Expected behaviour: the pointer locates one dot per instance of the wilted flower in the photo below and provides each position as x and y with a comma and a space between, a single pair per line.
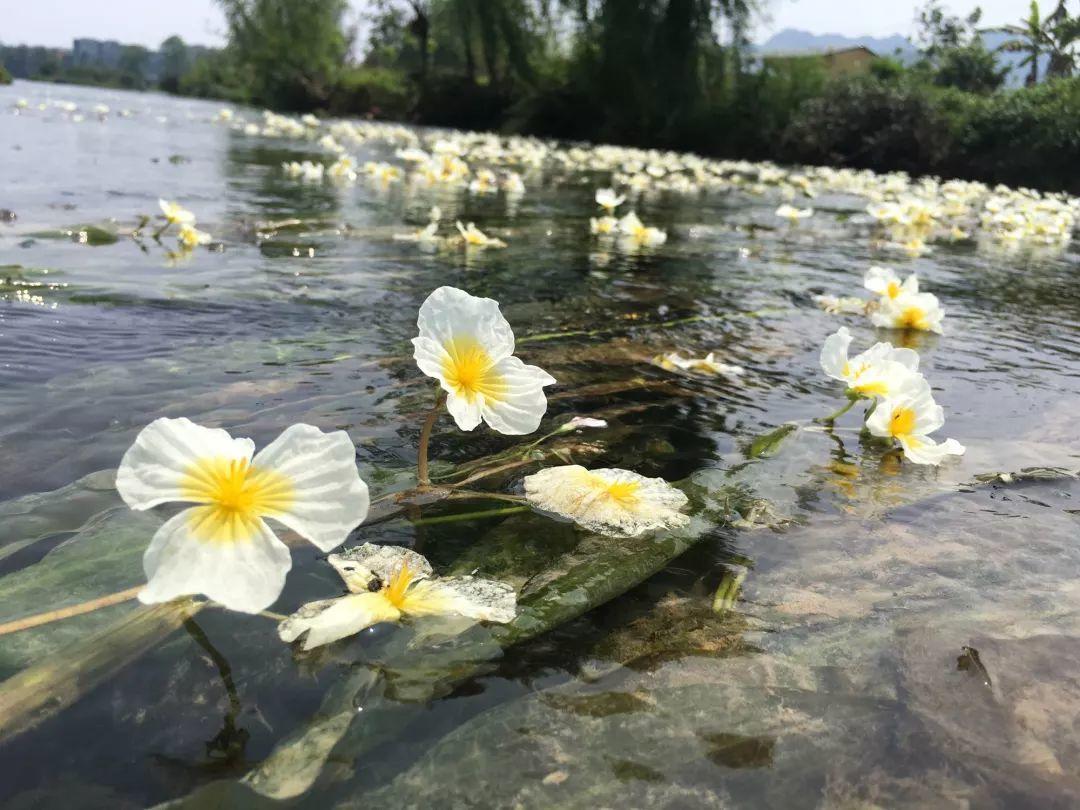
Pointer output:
703, 365
909, 415
427, 236
920, 311
579, 422
467, 345
305, 479
389, 584
474, 237
841, 305
608, 501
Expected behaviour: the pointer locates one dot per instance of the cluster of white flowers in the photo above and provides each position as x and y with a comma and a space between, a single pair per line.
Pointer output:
188, 235
307, 481
903, 406
899, 304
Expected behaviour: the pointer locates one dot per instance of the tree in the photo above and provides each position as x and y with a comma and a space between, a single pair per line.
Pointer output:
1053, 36
174, 63
293, 50
953, 53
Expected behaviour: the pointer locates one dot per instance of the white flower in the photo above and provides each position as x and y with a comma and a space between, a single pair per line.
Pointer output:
845, 305
175, 214
474, 237
305, 480
793, 214
877, 372
513, 185
920, 311
189, 236
607, 199
704, 365
603, 226
884, 282
909, 415
619, 503
388, 584
636, 234
467, 345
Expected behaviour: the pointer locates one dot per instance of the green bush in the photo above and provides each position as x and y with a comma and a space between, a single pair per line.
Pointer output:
866, 123
378, 92
5, 77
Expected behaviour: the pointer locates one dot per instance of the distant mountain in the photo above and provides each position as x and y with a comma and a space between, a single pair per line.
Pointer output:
792, 40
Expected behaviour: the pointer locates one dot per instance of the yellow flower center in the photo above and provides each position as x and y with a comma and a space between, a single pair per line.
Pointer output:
396, 589
235, 495
469, 371
902, 422
624, 493
913, 318
893, 289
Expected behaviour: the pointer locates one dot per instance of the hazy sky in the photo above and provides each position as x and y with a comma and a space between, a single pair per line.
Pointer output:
148, 22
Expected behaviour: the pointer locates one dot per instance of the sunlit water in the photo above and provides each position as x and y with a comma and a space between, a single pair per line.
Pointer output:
835, 681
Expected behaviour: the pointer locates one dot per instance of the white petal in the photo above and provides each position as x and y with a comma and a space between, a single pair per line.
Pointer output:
368, 566
834, 353
521, 403
328, 620
164, 451
465, 410
924, 450
481, 599
241, 566
450, 314
329, 499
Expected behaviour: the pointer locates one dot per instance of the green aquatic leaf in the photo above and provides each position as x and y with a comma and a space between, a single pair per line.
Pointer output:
94, 235
768, 444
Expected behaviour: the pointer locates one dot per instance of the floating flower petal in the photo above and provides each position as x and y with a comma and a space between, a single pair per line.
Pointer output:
615, 502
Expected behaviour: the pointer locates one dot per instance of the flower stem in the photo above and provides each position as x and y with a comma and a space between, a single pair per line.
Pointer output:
423, 478
828, 420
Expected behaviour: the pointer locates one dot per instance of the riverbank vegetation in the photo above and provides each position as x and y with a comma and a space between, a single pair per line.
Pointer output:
670, 74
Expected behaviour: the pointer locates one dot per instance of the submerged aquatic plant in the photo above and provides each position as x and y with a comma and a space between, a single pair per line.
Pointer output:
388, 584
305, 480
614, 502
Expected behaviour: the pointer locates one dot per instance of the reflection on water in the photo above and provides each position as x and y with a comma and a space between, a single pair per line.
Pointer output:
901, 638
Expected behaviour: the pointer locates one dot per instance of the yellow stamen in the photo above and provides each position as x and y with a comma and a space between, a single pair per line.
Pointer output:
913, 318
396, 589
469, 371
236, 494
902, 422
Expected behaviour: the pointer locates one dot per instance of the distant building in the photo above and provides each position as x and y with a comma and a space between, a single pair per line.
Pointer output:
840, 62
96, 53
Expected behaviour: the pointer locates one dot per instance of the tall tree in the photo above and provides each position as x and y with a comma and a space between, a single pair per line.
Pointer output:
294, 50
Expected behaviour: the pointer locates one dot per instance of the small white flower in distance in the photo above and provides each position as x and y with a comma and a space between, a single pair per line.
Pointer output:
919, 311
388, 584
615, 502
176, 214
884, 282
793, 214
305, 480
708, 364
909, 415
607, 199
467, 345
